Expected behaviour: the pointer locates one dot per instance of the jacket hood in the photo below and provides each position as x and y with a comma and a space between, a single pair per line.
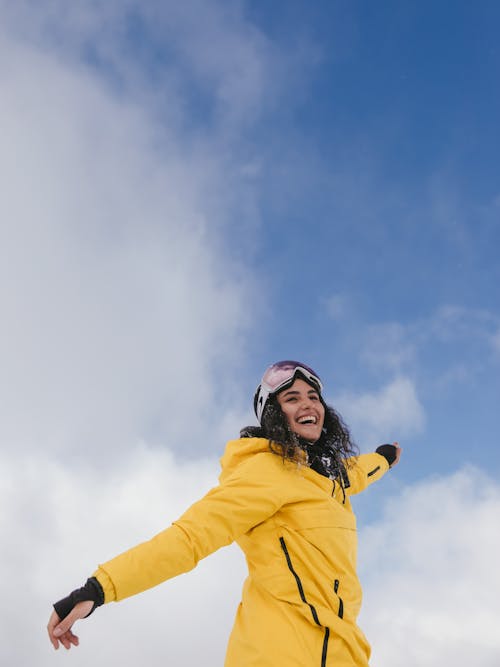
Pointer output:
238, 451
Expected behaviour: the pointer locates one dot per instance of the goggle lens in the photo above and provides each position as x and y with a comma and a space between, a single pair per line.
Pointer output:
284, 371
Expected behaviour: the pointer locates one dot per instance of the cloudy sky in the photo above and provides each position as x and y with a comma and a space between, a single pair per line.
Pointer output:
193, 190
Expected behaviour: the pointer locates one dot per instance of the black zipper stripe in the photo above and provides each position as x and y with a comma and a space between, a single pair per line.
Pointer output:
372, 472
298, 581
336, 585
325, 647
345, 477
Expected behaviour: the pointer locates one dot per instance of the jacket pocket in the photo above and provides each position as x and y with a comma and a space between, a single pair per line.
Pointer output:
298, 581
300, 588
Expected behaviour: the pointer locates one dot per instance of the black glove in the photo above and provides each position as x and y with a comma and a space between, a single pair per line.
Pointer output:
389, 452
92, 591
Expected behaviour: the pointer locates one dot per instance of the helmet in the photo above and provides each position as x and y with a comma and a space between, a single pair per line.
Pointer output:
279, 376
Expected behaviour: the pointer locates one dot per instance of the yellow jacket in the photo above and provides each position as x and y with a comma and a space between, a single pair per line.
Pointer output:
298, 532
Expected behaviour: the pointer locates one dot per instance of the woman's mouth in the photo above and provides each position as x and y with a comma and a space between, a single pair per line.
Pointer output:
307, 419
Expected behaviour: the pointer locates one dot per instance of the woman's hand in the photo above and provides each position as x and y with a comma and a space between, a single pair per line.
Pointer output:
60, 631
398, 454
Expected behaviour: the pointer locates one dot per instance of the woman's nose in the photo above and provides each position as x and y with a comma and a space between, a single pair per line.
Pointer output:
306, 401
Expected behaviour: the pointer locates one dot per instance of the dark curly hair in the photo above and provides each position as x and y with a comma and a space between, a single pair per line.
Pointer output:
335, 440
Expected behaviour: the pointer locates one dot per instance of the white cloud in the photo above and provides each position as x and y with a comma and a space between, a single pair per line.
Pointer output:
117, 294
122, 312
177, 48
389, 346
452, 322
450, 329
385, 415
431, 574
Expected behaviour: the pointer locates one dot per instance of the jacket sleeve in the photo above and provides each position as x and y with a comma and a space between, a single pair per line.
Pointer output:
249, 496
363, 470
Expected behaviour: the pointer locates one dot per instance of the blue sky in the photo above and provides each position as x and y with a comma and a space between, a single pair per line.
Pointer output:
193, 191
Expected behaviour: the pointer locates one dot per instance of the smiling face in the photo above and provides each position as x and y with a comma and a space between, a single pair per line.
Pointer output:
302, 407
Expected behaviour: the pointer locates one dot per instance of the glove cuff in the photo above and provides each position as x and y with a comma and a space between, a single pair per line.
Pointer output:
92, 591
389, 452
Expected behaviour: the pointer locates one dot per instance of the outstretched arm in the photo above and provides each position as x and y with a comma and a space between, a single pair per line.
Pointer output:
246, 498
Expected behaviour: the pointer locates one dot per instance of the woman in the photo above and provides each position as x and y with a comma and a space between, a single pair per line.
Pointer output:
284, 497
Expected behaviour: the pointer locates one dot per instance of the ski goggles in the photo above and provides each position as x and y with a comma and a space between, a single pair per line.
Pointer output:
279, 376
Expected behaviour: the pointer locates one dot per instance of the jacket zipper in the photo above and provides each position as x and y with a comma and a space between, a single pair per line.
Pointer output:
336, 585
314, 614
324, 653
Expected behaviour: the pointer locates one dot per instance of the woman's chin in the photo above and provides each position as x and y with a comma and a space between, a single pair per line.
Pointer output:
309, 434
